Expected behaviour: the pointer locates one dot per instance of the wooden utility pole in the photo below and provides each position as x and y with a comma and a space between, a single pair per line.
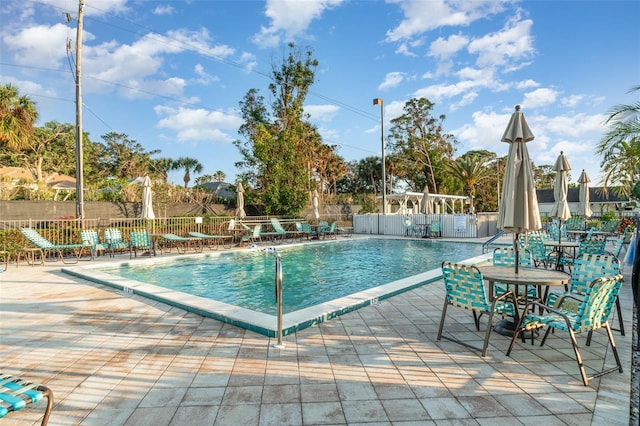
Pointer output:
79, 152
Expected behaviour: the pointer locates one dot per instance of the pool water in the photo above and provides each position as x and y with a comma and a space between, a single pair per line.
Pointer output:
312, 273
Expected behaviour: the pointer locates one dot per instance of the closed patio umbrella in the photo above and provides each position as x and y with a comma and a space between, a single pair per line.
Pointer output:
427, 203
147, 207
560, 209
518, 211
240, 213
584, 208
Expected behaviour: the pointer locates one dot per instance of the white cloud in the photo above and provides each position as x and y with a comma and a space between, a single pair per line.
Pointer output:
392, 79
198, 125
163, 10
512, 44
39, 45
446, 48
204, 77
539, 97
421, 16
290, 18
572, 100
140, 65
321, 112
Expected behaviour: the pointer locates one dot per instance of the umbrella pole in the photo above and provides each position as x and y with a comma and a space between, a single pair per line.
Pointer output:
516, 248
559, 231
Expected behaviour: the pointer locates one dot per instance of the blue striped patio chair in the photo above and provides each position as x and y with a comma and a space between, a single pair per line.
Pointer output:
113, 237
141, 241
465, 289
539, 252
585, 269
576, 315
55, 251
91, 239
586, 246
17, 393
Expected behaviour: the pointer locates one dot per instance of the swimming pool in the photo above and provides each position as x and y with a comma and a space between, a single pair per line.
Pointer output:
320, 280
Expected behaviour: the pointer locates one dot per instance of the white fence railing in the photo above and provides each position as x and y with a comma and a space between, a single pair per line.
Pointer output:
451, 225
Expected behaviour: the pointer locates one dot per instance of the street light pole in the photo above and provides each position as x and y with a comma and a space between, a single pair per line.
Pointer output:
378, 101
79, 153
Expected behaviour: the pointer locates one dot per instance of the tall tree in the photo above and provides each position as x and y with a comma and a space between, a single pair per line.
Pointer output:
471, 169
189, 165
219, 176
417, 137
619, 149
123, 158
277, 142
18, 115
161, 168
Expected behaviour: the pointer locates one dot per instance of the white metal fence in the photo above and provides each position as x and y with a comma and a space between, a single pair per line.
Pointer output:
451, 225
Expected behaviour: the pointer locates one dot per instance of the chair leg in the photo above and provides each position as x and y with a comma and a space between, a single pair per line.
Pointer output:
487, 334
583, 373
444, 313
49, 395
619, 310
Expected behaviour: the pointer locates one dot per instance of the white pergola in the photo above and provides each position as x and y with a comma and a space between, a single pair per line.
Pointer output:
441, 203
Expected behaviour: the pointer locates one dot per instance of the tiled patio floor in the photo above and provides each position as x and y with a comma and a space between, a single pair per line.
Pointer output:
113, 359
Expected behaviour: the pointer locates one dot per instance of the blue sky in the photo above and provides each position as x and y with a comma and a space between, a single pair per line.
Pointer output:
171, 74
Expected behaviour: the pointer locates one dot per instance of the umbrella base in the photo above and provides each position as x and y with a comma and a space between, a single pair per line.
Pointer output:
507, 327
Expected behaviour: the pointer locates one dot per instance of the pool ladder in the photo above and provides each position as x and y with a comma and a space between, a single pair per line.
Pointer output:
278, 285
485, 245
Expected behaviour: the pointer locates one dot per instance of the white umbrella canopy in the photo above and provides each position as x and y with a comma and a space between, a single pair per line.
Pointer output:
518, 211
240, 213
584, 208
427, 204
315, 212
560, 209
147, 207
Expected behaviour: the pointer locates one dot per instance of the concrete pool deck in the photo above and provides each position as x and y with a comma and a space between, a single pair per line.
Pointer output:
112, 358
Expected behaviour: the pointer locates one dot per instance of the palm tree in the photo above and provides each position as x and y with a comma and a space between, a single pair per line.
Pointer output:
17, 117
471, 169
620, 147
219, 176
188, 164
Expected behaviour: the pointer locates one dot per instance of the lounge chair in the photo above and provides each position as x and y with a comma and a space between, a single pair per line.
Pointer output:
217, 239
17, 393
181, 244
577, 315
253, 237
113, 237
275, 235
465, 289
277, 227
141, 240
345, 231
58, 251
91, 239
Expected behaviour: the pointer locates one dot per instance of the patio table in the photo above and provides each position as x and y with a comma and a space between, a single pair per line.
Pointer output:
560, 248
524, 277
